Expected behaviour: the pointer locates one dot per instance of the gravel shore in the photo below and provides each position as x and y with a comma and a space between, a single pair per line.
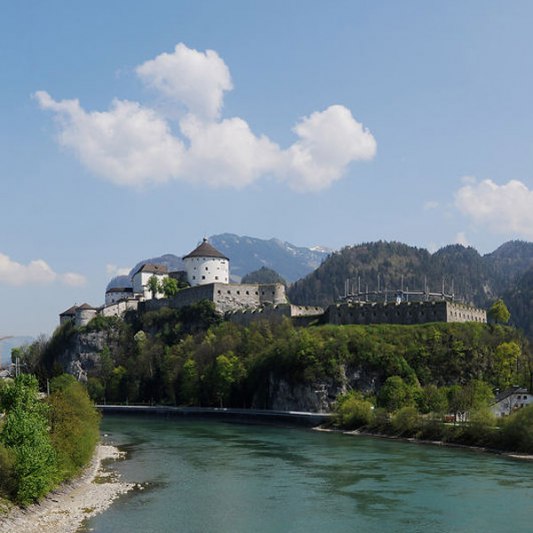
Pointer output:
63, 510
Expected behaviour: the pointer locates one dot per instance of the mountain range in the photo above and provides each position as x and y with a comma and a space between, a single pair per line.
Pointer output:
248, 254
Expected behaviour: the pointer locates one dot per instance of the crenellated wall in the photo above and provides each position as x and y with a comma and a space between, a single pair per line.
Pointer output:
403, 313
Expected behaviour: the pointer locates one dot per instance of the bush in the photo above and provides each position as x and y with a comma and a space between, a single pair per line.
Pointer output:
74, 425
7, 474
353, 412
517, 431
406, 422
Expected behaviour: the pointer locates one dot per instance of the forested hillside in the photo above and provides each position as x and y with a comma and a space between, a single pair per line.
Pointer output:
189, 356
473, 278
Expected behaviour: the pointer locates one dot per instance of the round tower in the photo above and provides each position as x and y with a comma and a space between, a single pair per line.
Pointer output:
205, 264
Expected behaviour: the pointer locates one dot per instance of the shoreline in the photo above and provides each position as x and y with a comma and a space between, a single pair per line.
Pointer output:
66, 508
412, 440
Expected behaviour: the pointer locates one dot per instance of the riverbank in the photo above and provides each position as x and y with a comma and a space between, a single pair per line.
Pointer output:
356, 432
65, 509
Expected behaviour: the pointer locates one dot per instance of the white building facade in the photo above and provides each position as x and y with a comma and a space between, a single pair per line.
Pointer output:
511, 400
141, 277
205, 264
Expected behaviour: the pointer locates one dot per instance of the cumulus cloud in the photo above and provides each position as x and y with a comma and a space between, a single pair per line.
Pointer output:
504, 209
35, 272
196, 79
129, 144
133, 145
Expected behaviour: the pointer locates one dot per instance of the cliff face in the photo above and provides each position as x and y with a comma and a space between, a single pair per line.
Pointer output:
315, 397
82, 355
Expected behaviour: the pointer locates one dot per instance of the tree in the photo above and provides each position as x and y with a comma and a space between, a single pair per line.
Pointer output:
25, 433
498, 312
154, 285
395, 394
189, 383
169, 286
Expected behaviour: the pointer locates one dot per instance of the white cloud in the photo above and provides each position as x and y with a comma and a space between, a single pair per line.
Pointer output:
114, 270
35, 272
196, 79
503, 209
227, 153
129, 144
328, 142
132, 145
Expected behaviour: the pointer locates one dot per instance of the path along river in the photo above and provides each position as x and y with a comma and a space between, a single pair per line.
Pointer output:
211, 476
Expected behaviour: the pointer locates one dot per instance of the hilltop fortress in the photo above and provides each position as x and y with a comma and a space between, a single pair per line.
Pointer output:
207, 275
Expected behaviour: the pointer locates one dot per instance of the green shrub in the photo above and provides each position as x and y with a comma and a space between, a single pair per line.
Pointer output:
353, 412
7, 474
517, 431
74, 425
406, 422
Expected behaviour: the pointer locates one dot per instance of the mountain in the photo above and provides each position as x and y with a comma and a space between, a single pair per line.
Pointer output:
247, 254
507, 272
7, 344
263, 275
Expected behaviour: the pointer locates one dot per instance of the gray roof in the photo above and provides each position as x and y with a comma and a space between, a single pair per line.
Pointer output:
71, 311
508, 392
120, 289
152, 268
206, 250
85, 306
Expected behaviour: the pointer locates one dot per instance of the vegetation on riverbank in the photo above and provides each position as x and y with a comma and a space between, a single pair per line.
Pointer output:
43, 441
473, 422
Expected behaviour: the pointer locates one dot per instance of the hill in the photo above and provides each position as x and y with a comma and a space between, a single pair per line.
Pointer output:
462, 270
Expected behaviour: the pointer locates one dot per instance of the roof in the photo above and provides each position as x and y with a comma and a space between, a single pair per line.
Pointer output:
85, 306
509, 392
152, 268
120, 289
206, 250
71, 311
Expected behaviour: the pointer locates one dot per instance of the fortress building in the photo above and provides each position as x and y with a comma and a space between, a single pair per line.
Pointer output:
207, 273
205, 264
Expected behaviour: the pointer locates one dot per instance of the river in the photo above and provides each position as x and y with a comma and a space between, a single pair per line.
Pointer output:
211, 476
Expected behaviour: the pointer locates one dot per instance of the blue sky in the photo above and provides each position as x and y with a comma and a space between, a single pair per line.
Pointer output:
313, 122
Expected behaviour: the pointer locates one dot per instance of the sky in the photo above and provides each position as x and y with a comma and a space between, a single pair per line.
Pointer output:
132, 129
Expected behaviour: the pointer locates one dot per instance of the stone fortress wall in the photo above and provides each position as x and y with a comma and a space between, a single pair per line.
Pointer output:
227, 297
403, 313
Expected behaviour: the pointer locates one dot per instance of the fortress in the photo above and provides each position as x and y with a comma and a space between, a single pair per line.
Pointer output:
207, 276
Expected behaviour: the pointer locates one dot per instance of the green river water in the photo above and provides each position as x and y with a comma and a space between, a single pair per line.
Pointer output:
211, 476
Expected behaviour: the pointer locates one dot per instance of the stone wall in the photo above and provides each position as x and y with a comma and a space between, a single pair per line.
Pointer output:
119, 308
403, 313
227, 297
300, 314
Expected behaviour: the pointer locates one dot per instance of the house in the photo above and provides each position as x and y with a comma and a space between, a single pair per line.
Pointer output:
118, 294
141, 277
68, 316
510, 400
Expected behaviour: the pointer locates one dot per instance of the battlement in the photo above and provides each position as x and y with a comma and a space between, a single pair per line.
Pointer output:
403, 313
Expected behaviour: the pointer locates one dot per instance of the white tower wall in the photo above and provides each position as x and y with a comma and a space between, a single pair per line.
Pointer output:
205, 270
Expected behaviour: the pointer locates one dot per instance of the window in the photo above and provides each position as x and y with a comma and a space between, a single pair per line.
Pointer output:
194, 277
238, 292
206, 268
203, 277
216, 277
248, 292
